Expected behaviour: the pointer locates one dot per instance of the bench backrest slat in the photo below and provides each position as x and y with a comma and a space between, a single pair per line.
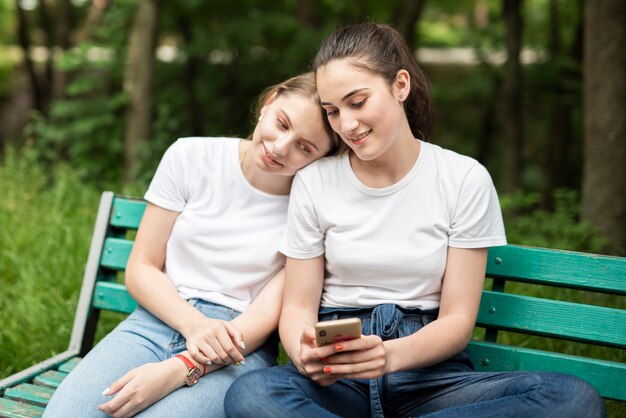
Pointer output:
113, 297
607, 377
593, 272
127, 212
115, 253
553, 318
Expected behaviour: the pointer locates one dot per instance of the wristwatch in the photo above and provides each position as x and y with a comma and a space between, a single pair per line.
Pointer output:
193, 372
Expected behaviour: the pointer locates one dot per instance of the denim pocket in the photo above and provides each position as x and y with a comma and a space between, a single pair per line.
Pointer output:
410, 325
213, 310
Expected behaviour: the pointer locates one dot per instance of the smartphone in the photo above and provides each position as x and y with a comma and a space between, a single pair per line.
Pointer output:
329, 332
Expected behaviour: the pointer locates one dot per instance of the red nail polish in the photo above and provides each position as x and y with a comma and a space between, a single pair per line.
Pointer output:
327, 370
325, 360
339, 347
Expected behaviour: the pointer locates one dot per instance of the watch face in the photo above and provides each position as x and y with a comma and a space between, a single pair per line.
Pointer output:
193, 376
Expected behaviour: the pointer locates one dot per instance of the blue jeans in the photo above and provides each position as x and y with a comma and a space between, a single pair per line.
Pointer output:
139, 339
449, 389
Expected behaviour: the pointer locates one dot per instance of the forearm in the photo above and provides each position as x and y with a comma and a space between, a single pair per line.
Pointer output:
304, 280
436, 342
450, 332
258, 322
147, 384
293, 321
154, 291
256, 328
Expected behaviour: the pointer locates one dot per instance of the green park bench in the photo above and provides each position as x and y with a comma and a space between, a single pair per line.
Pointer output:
26, 393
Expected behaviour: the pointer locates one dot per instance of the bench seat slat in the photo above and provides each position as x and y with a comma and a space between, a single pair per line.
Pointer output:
12, 409
606, 376
69, 365
573, 321
31, 394
115, 253
28, 374
127, 212
113, 297
51, 378
600, 273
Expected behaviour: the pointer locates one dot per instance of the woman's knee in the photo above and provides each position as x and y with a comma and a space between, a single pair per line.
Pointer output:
573, 394
246, 394
264, 393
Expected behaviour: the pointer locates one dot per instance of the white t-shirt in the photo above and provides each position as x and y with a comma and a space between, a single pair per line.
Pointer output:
389, 245
223, 246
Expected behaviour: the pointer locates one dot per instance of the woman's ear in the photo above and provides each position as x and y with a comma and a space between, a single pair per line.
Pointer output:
402, 85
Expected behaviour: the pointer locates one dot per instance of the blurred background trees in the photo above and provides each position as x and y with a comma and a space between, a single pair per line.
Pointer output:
534, 89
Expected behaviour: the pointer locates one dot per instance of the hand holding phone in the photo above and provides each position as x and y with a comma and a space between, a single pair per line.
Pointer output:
329, 332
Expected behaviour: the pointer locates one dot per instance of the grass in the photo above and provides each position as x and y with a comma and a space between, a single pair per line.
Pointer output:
46, 222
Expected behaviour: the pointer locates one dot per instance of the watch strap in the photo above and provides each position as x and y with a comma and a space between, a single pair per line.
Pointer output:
189, 363
185, 360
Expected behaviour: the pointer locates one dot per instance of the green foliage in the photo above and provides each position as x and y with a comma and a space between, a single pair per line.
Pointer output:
528, 224
85, 128
226, 53
536, 17
5, 78
214, 79
6, 38
7, 28
45, 225
441, 34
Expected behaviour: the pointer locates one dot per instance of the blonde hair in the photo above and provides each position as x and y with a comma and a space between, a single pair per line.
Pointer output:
302, 85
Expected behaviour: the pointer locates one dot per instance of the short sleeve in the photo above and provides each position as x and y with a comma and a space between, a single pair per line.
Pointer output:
477, 220
304, 239
169, 187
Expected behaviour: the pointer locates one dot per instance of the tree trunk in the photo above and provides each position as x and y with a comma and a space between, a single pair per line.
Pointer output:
406, 17
559, 132
488, 121
561, 140
308, 13
479, 22
604, 173
22, 36
191, 70
48, 29
65, 21
93, 19
138, 80
64, 28
512, 98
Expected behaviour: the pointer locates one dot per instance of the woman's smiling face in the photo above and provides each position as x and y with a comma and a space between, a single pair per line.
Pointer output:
361, 107
289, 135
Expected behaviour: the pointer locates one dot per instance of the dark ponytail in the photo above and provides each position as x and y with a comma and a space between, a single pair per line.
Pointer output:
381, 50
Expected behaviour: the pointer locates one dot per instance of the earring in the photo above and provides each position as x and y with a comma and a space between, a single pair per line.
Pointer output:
401, 97
260, 117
